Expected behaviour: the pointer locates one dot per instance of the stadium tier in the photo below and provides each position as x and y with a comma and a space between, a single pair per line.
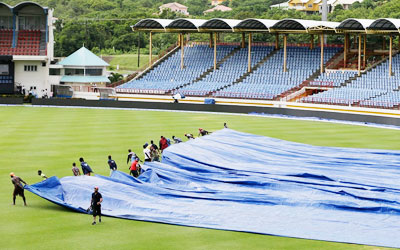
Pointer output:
168, 75
266, 82
29, 42
229, 71
373, 88
269, 80
332, 79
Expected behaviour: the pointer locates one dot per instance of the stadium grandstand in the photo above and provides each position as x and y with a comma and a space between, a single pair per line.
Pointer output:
26, 47
351, 73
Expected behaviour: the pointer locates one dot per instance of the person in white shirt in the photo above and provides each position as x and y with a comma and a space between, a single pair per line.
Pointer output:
147, 153
41, 174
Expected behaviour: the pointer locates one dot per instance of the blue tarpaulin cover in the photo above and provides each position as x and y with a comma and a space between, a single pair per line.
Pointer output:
243, 182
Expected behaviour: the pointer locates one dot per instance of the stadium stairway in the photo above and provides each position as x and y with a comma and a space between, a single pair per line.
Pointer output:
209, 70
245, 75
320, 86
373, 88
156, 63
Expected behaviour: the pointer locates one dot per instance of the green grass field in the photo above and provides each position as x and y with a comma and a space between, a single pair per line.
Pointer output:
128, 62
51, 139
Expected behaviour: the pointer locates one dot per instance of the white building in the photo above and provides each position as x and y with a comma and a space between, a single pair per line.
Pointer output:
333, 3
26, 46
217, 8
175, 7
82, 70
284, 5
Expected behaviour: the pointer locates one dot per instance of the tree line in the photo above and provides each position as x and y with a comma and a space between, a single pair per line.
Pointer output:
103, 26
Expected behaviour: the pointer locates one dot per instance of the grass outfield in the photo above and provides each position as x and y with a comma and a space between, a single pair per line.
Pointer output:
51, 139
128, 62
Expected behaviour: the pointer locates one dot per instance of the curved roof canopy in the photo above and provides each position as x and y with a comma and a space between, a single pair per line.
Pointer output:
5, 5
218, 24
152, 24
354, 25
385, 25
289, 25
252, 24
185, 24
22, 5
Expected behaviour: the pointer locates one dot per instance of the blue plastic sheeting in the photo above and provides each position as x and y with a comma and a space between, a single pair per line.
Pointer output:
237, 181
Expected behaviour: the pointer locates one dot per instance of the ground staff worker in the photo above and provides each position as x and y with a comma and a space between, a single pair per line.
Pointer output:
18, 188
97, 199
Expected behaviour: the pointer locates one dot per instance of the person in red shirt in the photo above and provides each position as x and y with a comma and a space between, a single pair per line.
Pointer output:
134, 168
163, 143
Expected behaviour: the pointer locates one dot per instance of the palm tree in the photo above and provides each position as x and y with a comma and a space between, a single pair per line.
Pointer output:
115, 77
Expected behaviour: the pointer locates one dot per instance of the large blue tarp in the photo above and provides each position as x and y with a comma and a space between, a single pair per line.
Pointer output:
243, 182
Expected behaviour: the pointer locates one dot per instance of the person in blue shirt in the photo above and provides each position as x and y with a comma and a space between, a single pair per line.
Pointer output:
112, 164
86, 170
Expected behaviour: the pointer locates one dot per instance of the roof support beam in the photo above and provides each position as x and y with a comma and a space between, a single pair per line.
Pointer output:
390, 54
284, 52
322, 53
211, 38
383, 43
346, 48
215, 51
243, 40
151, 49
249, 54
359, 55
276, 41
182, 51
311, 42
365, 51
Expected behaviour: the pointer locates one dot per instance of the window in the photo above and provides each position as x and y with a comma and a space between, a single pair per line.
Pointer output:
4, 69
5, 22
310, 6
31, 22
54, 72
94, 72
30, 68
72, 72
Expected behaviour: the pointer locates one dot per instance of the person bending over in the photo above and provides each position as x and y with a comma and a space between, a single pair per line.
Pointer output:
41, 174
134, 168
203, 132
86, 169
189, 136
176, 139
18, 188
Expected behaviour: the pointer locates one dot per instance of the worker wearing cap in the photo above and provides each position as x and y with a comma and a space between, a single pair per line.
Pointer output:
18, 188
97, 199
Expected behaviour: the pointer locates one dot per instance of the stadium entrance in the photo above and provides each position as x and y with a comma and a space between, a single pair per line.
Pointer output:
6, 75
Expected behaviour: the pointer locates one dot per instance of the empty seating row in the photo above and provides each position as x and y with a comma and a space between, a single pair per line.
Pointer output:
333, 79
168, 75
374, 88
228, 72
269, 80
6, 79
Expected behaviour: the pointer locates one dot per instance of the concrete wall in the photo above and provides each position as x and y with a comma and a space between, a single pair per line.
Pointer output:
32, 78
221, 108
11, 100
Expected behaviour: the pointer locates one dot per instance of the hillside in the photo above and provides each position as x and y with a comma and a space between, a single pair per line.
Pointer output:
83, 21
